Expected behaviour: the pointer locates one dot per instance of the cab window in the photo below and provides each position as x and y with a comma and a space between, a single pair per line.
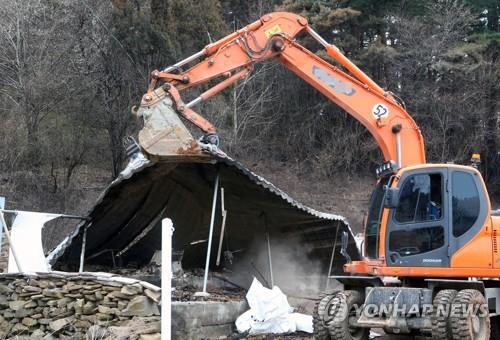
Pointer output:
420, 199
416, 240
373, 219
465, 202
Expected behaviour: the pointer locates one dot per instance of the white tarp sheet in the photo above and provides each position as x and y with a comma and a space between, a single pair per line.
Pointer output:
270, 313
26, 238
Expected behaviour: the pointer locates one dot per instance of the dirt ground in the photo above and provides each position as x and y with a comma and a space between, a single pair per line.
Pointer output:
304, 336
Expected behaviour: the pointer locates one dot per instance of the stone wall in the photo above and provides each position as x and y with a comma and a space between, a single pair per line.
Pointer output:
61, 305
4, 253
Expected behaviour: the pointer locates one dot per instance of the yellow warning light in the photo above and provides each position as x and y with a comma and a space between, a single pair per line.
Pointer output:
475, 160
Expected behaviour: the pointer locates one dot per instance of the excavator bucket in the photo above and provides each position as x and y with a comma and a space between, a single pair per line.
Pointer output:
164, 138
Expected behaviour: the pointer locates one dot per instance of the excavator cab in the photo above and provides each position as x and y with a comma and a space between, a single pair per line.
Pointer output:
423, 217
430, 243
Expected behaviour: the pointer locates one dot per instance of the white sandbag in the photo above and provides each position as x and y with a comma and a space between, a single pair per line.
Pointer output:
266, 303
270, 313
244, 322
277, 325
303, 322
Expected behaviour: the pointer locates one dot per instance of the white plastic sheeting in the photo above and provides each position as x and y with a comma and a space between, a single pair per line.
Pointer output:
26, 237
270, 313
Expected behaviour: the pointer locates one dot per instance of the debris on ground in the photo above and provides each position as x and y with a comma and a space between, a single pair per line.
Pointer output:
270, 313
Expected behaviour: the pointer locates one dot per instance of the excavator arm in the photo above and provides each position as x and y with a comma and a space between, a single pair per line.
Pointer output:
274, 37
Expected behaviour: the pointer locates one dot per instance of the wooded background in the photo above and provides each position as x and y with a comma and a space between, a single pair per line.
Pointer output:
70, 70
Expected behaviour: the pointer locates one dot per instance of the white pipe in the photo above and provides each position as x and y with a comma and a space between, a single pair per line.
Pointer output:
82, 253
398, 149
210, 234
2, 206
194, 102
317, 37
54, 215
185, 61
167, 231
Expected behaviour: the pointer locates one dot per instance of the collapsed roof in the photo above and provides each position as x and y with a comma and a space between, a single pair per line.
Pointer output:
125, 224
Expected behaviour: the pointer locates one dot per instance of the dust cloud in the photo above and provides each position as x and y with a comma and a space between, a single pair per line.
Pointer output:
294, 272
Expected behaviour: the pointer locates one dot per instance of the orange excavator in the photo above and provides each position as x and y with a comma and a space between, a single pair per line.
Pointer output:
430, 241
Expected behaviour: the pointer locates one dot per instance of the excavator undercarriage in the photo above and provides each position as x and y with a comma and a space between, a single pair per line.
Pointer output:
443, 309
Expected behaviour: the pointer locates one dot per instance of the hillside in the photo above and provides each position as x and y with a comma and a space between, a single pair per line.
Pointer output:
72, 70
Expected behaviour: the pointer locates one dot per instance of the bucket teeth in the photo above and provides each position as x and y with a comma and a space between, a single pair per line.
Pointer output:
164, 137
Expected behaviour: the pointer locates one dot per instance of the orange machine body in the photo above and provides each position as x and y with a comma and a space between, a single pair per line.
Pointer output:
274, 36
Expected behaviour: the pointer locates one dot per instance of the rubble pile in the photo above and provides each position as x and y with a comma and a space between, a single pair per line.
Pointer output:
61, 305
187, 283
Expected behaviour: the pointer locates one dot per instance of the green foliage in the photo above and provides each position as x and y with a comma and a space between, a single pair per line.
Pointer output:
135, 33
186, 25
488, 12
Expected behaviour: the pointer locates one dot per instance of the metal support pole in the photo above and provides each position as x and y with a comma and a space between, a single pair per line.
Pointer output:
82, 253
113, 258
74, 217
167, 232
270, 259
223, 228
2, 206
331, 259
12, 248
269, 252
210, 236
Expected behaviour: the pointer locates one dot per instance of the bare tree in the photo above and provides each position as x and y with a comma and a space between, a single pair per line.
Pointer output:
428, 79
34, 62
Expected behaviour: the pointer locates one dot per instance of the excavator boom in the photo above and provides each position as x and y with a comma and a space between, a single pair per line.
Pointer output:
232, 58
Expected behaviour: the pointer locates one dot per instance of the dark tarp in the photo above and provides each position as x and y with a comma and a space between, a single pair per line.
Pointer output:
126, 221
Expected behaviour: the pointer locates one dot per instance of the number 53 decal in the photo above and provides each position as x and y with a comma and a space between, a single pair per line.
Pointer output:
380, 111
